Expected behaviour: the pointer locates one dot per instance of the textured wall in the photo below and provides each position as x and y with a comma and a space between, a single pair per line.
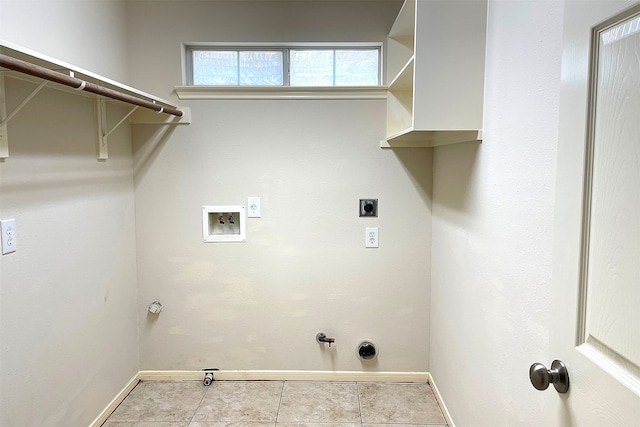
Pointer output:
67, 295
257, 305
156, 29
90, 34
492, 227
304, 268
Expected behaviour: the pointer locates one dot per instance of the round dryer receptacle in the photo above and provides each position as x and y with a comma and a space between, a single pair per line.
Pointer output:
367, 350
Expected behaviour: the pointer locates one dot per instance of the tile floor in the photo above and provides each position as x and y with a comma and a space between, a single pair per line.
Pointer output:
278, 404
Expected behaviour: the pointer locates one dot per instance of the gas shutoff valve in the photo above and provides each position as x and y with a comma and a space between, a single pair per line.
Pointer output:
322, 338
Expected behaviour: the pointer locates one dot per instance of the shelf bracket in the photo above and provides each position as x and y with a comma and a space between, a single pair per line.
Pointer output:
141, 116
103, 134
122, 120
4, 117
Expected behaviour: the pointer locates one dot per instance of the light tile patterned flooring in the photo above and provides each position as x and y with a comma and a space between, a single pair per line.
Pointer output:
278, 404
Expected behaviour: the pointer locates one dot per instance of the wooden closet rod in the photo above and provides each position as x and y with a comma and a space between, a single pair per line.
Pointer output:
54, 76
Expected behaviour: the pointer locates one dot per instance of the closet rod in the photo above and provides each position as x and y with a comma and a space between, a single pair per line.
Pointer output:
54, 76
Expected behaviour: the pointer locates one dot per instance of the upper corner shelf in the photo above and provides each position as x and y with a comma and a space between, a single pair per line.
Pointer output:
411, 138
435, 61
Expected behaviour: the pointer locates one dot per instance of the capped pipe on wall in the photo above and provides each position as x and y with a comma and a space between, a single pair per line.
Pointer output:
155, 307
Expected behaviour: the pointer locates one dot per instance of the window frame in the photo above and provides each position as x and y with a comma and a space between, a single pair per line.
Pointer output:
286, 48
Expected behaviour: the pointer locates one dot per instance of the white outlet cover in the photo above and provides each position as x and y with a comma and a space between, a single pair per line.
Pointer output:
371, 237
253, 207
8, 227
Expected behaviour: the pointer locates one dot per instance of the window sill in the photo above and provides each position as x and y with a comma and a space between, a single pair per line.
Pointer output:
279, 92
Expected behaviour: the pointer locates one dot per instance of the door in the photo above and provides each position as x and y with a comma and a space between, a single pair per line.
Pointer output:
595, 326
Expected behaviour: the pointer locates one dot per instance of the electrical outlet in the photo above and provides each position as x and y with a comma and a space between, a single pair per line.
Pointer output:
253, 204
371, 237
8, 227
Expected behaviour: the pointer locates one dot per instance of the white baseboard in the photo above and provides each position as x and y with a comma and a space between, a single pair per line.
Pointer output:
100, 419
443, 407
242, 375
171, 375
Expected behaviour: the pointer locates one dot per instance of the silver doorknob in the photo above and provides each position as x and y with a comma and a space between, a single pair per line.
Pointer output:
558, 375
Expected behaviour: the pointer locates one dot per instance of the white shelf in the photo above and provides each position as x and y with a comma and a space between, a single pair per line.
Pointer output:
400, 101
404, 79
401, 39
404, 25
19, 52
435, 61
410, 138
36, 67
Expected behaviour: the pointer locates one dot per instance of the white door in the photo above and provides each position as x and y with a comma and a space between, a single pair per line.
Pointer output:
595, 326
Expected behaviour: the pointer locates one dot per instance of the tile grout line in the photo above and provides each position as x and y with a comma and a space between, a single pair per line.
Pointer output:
200, 403
359, 404
279, 405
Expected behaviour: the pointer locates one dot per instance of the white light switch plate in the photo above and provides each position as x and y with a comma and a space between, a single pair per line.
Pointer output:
8, 227
371, 237
253, 207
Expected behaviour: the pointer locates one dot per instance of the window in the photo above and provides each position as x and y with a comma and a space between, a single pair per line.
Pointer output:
310, 66
237, 68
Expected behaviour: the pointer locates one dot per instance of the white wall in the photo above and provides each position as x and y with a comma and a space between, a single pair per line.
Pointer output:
68, 312
68, 322
67, 295
492, 227
90, 34
164, 25
304, 268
